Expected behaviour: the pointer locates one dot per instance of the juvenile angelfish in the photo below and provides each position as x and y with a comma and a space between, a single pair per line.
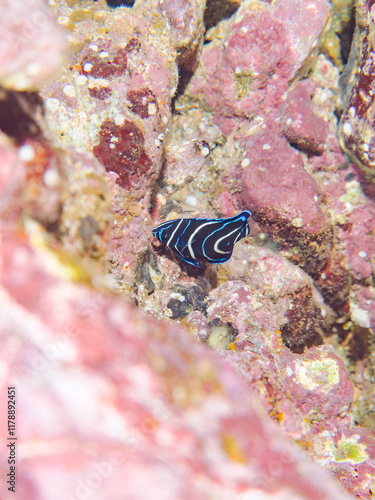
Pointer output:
203, 240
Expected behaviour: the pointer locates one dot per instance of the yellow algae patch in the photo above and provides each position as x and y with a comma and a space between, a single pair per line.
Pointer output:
57, 261
319, 373
232, 448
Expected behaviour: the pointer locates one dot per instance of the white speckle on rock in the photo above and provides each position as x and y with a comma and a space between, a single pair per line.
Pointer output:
33, 68
51, 178
151, 108
178, 296
351, 112
69, 90
81, 80
289, 121
119, 119
93, 47
323, 276
359, 316
266, 146
112, 146
63, 20
245, 162
103, 54
205, 151
297, 222
26, 153
347, 128
362, 253
288, 371
191, 201
87, 67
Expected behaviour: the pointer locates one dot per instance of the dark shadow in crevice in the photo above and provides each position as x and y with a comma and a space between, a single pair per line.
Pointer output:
217, 10
184, 77
120, 3
346, 37
18, 112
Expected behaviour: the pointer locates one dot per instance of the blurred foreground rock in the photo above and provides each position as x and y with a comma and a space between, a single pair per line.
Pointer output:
110, 403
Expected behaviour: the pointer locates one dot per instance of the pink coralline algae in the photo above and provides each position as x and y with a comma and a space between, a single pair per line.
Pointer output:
284, 197
123, 401
316, 409
302, 127
234, 81
136, 372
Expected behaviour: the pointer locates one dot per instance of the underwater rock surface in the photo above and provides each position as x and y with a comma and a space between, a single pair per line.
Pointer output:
356, 128
153, 118
113, 403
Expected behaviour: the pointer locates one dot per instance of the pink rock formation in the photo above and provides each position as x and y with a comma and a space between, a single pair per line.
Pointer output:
112, 403
33, 48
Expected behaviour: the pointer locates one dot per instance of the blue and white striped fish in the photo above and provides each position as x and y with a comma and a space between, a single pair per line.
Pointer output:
203, 240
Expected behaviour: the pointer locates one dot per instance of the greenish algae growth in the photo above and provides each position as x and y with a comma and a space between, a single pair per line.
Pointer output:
320, 373
242, 83
349, 450
329, 366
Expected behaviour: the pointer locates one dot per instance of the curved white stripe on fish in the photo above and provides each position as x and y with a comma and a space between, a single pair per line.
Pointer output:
171, 238
216, 249
190, 242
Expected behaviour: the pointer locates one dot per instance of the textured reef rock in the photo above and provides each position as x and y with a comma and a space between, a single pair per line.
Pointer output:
257, 300
257, 115
302, 127
285, 199
316, 411
114, 97
113, 100
185, 20
234, 78
357, 121
113, 402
